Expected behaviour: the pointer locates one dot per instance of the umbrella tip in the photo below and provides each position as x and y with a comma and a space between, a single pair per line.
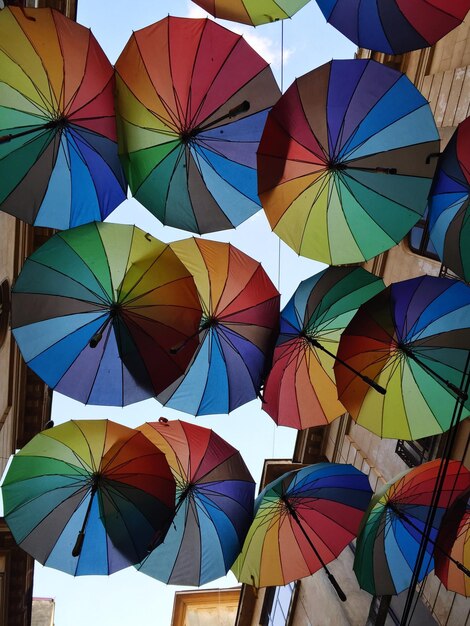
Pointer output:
163, 420
48, 425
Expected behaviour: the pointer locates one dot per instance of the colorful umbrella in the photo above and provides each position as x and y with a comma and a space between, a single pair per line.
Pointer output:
58, 151
252, 12
96, 310
394, 26
300, 390
303, 520
393, 526
87, 496
343, 167
192, 100
452, 552
449, 225
214, 503
413, 339
237, 332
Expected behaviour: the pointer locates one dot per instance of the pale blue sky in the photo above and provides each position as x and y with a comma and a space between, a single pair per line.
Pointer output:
129, 598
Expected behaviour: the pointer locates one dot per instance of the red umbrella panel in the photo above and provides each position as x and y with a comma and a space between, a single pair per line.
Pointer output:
237, 333
300, 390
214, 504
452, 551
192, 101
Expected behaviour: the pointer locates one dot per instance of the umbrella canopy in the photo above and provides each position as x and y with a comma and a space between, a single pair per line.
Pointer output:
96, 310
413, 339
303, 520
453, 547
192, 100
394, 26
449, 224
58, 151
214, 504
393, 525
237, 332
252, 12
342, 163
87, 496
300, 390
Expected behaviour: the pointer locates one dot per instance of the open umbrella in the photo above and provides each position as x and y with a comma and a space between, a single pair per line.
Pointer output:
303, 520
237, 332
214, 504
87, 496
58, 152
192, 100
343, 167
96, 310
413, 339
252, 12
393, 525
300, 390
449, 215
452, 548
394, 26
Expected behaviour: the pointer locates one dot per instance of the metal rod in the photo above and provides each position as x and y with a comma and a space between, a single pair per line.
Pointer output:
48, 126
402, 516
243, 107
460, 393
81, 535
331, 578
366, 379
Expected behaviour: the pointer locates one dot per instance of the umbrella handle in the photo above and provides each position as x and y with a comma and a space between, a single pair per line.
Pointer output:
339, 591
77, 549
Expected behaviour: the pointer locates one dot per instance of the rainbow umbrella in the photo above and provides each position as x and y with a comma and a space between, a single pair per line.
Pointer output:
413, 339
192, 100
449, 225
96, 310
394, 26
58, 151
303, 520
300, 390
393, 526
87, 496
253, 12
452, 548
214, 504
237, 331
343, 167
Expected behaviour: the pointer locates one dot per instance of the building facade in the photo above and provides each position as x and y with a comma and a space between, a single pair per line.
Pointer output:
442, 73
24, 399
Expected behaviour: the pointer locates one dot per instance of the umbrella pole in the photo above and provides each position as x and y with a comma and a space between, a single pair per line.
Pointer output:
243, 107
460, 393
331, 578
366, 379
50, 125
81, 535
402, 516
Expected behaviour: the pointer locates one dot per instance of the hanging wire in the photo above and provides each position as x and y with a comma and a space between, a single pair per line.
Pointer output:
456, 417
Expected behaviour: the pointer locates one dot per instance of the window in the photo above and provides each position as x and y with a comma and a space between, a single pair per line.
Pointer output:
277, 605
416, 452
4, 310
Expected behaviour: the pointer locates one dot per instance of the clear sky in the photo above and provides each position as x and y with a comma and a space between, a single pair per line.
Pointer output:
130, 598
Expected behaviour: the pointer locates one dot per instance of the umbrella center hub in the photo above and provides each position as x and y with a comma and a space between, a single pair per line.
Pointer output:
208, 321
115, 309
335, 166
188, 135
